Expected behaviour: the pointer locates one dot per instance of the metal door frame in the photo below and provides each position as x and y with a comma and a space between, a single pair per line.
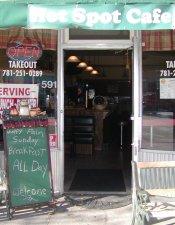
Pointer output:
136, 98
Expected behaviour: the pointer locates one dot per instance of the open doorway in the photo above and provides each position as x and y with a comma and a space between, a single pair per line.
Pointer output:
105, 165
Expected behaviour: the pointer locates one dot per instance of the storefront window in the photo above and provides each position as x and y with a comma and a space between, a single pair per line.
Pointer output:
158, 125
28, 74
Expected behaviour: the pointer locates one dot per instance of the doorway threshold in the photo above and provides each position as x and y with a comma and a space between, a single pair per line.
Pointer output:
118, 193
99, 200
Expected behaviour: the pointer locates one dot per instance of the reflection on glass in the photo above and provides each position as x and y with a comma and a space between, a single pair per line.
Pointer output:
158, 105
158, 131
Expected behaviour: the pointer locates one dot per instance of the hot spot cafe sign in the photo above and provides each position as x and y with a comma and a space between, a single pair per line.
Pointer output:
90, 16
103, 17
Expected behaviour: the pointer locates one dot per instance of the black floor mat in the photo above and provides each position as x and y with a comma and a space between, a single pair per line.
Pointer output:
98, 180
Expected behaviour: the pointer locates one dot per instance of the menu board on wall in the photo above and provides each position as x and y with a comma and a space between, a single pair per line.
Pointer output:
167, 90
167, 80
28, 165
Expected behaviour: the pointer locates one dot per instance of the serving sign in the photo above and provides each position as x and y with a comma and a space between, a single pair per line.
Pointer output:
12, 94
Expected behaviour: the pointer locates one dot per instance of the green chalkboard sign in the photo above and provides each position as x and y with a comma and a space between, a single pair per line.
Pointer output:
28, 165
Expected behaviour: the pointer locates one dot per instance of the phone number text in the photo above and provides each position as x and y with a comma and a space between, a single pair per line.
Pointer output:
22, 73
167, 73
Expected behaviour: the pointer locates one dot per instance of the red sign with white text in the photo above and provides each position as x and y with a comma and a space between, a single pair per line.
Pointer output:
12, 94
53, 140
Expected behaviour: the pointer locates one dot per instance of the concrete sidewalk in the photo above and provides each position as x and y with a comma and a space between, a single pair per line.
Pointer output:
68, 214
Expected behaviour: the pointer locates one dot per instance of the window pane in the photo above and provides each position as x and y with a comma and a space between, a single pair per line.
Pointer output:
81, 34
158, 101
20, 74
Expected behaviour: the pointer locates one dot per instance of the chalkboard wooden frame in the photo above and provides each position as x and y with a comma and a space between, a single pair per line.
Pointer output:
26, 147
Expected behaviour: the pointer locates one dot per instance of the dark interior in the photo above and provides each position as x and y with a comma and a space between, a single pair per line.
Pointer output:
114, 84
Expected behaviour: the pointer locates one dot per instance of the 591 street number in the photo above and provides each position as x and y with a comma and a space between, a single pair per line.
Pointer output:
48, 84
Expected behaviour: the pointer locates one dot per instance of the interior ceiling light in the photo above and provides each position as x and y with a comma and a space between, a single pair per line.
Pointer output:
73, 58
89, 68
94, 72
82, 65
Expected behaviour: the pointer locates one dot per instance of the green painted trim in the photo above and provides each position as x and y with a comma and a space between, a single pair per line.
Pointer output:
60, 2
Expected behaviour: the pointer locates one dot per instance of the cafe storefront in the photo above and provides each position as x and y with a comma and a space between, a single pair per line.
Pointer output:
32, 48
